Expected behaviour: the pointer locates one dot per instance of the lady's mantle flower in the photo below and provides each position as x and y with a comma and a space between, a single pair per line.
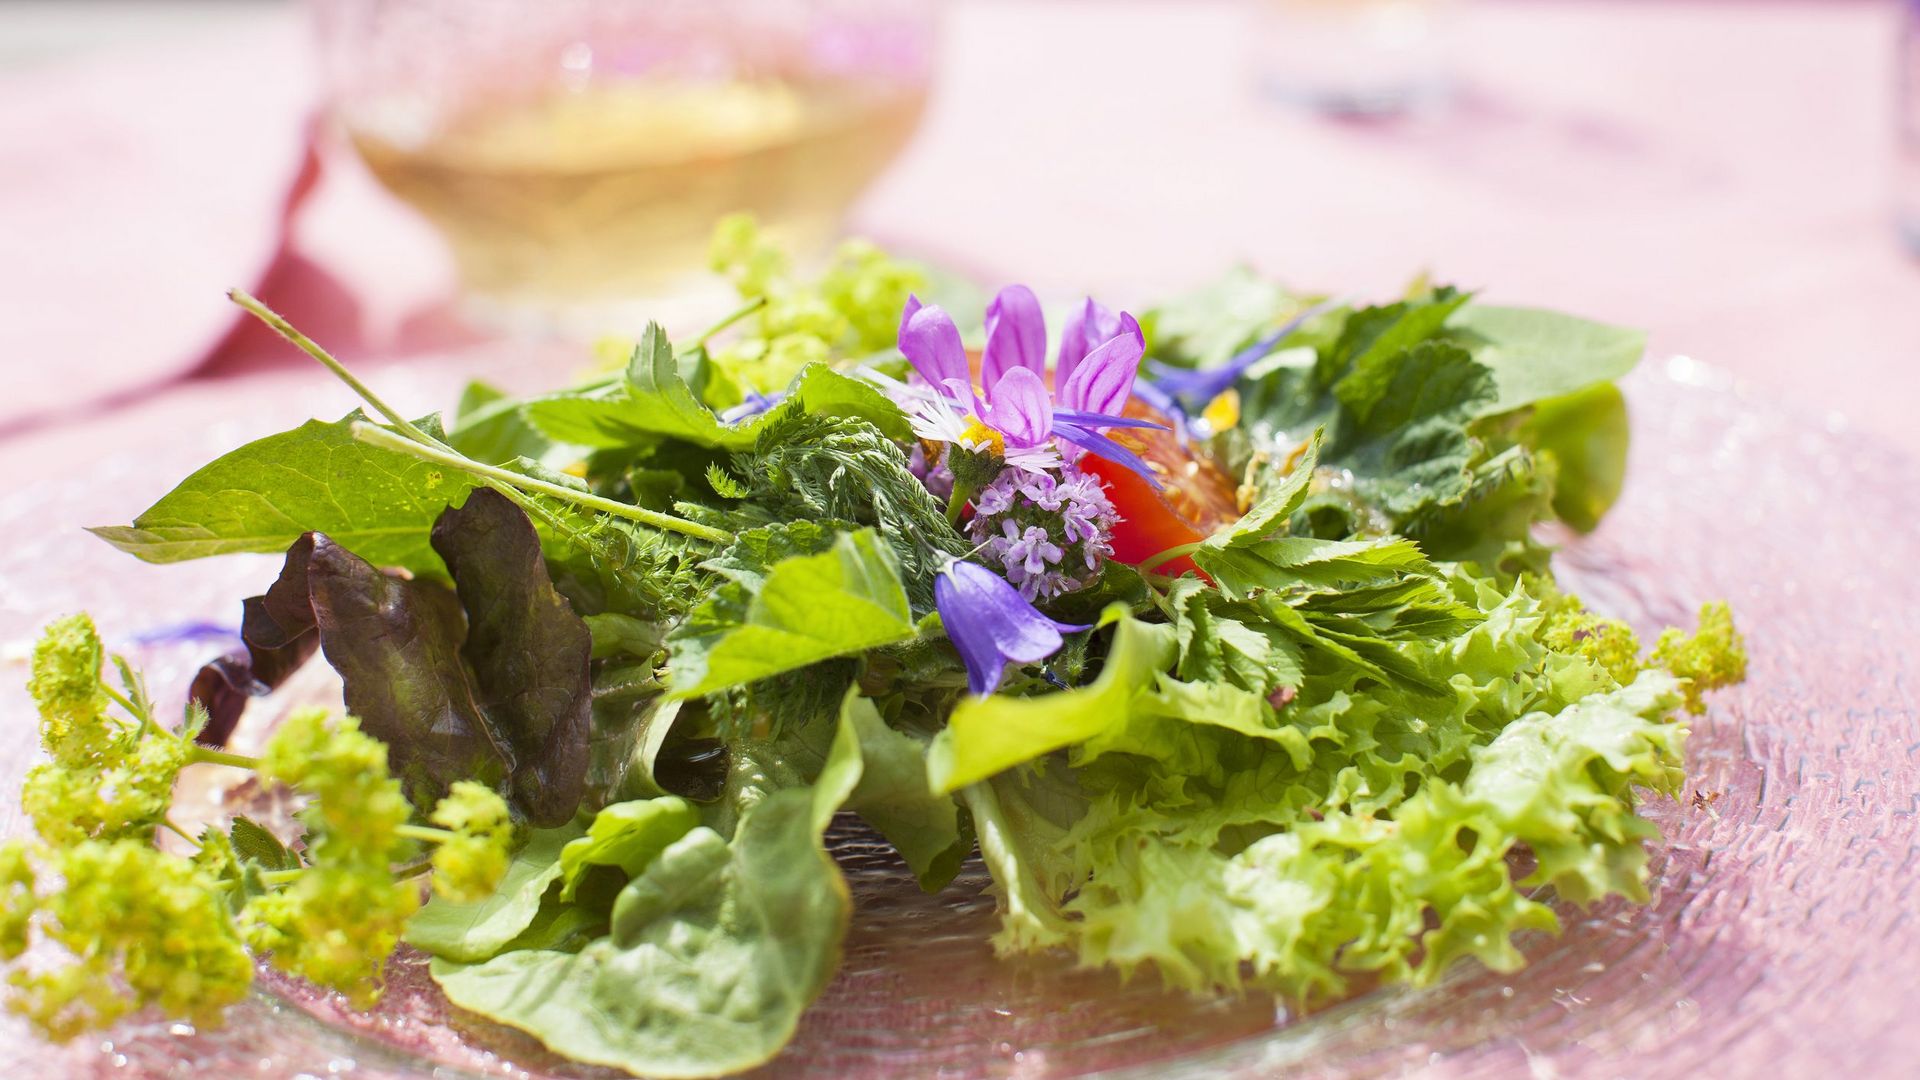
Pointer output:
1049, 534
991, 624
1017, 418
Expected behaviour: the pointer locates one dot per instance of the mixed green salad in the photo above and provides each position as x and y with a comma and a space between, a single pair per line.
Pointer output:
1225, 635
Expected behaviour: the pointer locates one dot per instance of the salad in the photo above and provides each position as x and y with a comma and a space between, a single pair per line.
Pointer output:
1226, 635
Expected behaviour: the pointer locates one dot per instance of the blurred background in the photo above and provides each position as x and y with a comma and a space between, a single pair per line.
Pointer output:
407, 178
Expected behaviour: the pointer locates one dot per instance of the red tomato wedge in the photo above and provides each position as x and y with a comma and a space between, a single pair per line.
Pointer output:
1196, 496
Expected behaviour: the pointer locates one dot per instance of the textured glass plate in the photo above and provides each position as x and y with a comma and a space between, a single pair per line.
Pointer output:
1780, 940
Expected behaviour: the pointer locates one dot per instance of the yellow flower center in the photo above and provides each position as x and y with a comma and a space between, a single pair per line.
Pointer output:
979, 434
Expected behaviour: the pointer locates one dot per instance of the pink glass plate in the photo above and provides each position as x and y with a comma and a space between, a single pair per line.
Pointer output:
1780, 940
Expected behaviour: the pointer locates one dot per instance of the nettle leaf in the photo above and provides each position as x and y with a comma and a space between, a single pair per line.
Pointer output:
480, 930
1283, 562
316, 478
1408, 445
653, 402
1373, 335
840, 602
256, 843
1536, 355
715, 951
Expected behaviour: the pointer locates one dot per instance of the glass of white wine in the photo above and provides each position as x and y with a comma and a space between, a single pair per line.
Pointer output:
576, 154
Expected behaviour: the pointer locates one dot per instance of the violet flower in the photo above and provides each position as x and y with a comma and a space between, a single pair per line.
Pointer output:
1050, 534
1016, 417
1195, 387
990, 623
752, 405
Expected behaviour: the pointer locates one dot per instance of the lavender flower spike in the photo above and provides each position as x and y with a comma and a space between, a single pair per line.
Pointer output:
992, 624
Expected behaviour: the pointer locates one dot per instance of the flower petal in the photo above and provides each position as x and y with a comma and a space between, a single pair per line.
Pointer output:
990, 623
1100, 446
1197, 386
966, 626
1079, 418
1086, 328
1103, 381
1020, 408
1016, 336
931, 342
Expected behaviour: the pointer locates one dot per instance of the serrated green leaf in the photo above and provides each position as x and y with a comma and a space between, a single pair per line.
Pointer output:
377, 503
255, 843
840, 602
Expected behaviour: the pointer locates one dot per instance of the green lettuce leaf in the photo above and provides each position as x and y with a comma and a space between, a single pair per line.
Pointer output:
480, 930
895, 797
987, 735
716, 948
840, 602
628, 835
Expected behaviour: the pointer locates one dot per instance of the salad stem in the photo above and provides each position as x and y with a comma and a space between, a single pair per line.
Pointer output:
387, 440
711, 331
1159, 558
307, 345
221, 757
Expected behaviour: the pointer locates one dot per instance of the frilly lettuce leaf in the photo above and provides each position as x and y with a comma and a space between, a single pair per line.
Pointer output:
1219, 839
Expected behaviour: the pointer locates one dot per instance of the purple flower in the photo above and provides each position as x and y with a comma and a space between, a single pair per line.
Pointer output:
1196, 386
991, 624
1048, 534
1016, 417
753, 405
931, 471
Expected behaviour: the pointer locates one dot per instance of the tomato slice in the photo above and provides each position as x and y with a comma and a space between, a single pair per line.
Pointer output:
1195, 499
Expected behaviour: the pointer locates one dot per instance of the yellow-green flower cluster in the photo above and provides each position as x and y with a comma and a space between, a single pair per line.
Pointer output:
340, 918
853, 308
468, 865
133, 926
140, 927
1608, 643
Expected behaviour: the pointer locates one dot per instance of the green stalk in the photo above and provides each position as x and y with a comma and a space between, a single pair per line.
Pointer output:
957, 502
1167, 556
387, 440
120, 699
426, 833
701, 341
203, 755
307, 345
